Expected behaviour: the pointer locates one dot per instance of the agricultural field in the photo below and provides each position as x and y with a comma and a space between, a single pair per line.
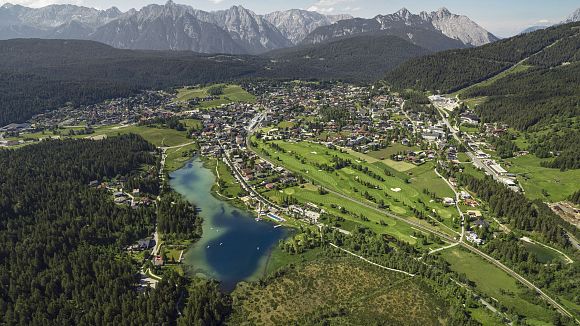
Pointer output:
231, 94
310, 292
400, 192
496, 284
534, 178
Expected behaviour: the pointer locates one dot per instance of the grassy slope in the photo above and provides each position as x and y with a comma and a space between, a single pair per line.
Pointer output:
496, 284
534, 178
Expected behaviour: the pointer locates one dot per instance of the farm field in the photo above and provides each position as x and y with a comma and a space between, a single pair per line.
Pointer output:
402, 193
231, 94
307, 292
495, 283
534, 178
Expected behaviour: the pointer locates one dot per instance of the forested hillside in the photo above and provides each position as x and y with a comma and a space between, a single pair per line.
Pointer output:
456, 69
534, 96
358, 58
37, 75
60, 256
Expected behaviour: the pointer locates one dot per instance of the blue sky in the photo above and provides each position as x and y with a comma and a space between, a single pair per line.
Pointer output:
501, 17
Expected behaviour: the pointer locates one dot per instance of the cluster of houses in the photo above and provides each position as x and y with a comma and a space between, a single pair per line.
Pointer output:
133, 198
127, 110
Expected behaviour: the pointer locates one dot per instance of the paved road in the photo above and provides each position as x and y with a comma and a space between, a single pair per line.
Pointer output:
456, 204
459, 242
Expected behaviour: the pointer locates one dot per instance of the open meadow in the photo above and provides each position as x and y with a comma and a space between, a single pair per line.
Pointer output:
231, 94
498, 285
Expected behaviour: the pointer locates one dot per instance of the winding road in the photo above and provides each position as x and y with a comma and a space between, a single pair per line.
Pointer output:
442, 235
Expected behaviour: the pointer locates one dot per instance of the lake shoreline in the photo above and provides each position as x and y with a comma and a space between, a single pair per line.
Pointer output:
234, 247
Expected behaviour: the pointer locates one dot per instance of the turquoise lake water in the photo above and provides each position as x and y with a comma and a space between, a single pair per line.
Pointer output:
234, 246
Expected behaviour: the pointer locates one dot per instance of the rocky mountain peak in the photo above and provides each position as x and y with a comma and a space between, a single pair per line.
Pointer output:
403, 13
574, 17
443, 11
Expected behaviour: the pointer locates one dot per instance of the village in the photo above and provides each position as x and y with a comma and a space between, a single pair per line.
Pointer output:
363, 121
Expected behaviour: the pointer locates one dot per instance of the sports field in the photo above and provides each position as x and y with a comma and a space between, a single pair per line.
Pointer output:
231, 94
400, 192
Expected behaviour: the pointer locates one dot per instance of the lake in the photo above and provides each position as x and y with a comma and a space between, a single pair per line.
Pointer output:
234, 246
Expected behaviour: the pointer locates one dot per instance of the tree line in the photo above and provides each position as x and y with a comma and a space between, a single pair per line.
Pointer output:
60, 242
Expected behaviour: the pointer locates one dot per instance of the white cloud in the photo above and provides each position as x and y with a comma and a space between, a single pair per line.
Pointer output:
216, 1
544, 21
330, 6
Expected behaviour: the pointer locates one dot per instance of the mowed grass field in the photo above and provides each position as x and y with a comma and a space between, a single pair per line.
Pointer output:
341, 291
231, 188
157, 136
495, 283
384, 155
535, 178
231, 94
309, 194
395, 191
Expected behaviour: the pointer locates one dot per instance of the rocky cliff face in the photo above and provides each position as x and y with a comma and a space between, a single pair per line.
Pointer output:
450, 27
236, 30
574, 17
296, 24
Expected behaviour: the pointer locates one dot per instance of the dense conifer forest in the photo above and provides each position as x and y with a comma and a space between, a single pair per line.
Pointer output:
60, 241
453, 70
520, 212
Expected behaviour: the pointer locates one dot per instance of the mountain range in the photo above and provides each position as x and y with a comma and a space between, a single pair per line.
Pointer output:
236, 30
439, 30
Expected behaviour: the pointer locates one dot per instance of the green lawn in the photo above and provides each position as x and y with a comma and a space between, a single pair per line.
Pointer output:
230, 187
559, 185
495, 283
394, 190
177, 157
309, 194
469, 130
231, 94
